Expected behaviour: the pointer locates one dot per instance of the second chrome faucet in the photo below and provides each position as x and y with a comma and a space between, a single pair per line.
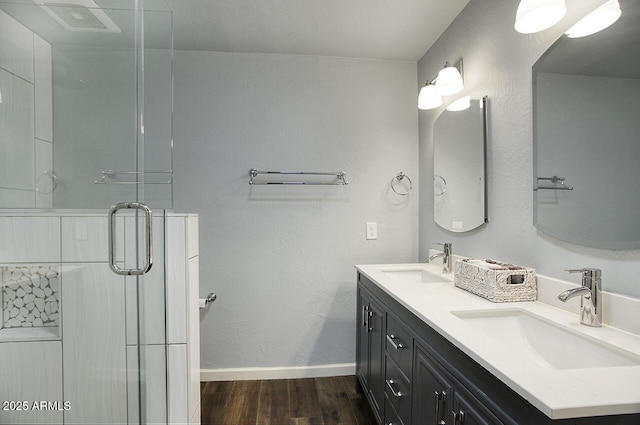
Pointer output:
446, 256
591, 292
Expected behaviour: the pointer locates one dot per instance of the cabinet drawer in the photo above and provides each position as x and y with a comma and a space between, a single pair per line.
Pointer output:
397, 390
390, 415
399, 344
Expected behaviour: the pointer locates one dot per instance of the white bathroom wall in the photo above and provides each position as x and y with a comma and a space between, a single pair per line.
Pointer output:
281, 258
497, 63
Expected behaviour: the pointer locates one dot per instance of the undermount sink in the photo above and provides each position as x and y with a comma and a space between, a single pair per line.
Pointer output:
415, 275
545, 342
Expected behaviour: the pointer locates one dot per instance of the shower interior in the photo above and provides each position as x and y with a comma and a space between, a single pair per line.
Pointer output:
85, 123
78, 103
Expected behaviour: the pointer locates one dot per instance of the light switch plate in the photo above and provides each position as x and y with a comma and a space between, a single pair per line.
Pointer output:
372, 230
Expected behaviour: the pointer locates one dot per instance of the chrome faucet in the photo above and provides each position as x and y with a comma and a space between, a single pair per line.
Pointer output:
591, 292
446, 256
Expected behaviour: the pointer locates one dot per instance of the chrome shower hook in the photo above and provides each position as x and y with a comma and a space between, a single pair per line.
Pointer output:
398, 178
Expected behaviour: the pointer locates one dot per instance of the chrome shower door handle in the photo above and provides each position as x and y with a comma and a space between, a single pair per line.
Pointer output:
148, 262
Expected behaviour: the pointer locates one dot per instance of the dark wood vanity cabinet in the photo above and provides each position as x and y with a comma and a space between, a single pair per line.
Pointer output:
412, 375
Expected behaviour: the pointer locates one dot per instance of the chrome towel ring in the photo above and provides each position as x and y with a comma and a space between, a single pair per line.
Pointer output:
47, 182
398, 178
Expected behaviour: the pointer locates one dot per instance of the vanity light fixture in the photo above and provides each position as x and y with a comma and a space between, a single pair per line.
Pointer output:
429, 98
461, 104
449, 81
538, 15
596, 21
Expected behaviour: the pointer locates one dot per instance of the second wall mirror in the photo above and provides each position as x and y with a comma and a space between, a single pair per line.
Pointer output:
459, 168
586, 136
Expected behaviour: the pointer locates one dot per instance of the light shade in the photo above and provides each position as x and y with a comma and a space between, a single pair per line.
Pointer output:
597, 20
449, 81
429, 97
460, 105
537, 15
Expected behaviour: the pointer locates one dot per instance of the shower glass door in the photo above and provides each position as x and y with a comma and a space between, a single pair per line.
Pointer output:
85, 123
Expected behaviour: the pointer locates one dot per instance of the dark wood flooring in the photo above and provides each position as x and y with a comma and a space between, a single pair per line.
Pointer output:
309, 401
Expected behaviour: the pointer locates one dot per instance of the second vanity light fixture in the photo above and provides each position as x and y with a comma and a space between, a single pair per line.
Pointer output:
538, 15
449, 81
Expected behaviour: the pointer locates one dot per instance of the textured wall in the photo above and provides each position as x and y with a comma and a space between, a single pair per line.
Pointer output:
281, 258
497, 63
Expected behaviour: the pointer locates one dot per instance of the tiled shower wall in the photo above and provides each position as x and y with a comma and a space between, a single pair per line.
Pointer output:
57, 261
26, 133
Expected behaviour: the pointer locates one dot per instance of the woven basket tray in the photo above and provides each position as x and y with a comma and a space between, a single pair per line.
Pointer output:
496, 281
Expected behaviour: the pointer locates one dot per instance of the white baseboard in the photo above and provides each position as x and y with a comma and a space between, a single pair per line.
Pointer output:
254, 373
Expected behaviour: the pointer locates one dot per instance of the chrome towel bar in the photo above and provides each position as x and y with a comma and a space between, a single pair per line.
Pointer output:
554, 180
340, 178
132, 177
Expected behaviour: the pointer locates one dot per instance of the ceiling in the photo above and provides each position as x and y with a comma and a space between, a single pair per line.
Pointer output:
374, 29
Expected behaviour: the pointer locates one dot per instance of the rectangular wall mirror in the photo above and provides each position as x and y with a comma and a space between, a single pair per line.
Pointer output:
459, 170
586, 129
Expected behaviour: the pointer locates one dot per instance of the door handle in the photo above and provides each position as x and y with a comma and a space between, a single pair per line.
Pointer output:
365, 321
148, 261
396, 394
398, 346
455, 416
439, 397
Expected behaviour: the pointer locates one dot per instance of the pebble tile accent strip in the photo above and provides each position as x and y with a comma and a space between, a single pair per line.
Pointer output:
30, 296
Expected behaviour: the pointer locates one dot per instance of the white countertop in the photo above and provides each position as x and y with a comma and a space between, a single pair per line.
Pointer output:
559, 394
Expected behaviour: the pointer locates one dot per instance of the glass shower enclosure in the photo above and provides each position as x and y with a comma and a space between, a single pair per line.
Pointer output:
85, 180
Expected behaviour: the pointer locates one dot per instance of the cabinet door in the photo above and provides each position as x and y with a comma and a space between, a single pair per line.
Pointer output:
362, 349
432, 390
467, 410
370, 350
376, 354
